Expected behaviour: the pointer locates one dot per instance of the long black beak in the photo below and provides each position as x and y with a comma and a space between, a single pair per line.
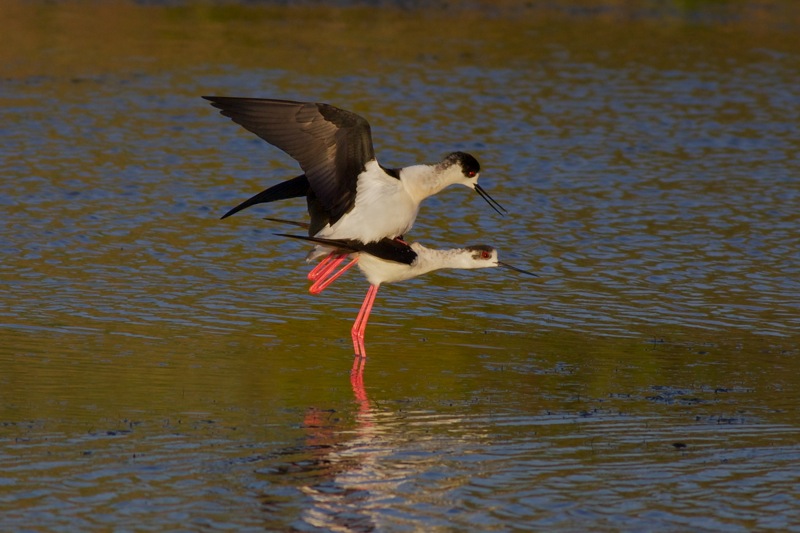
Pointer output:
517, 269
489, 200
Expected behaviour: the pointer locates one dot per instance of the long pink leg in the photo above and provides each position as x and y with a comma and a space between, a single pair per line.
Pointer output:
327, 278
361, 321
318, 270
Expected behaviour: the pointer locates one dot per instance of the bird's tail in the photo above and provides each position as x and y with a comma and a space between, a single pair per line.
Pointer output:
305, 225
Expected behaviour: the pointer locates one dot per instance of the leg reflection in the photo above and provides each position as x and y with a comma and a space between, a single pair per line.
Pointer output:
357, 381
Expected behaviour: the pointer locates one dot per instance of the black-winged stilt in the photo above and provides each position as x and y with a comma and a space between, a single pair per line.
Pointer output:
391, 260
349, 194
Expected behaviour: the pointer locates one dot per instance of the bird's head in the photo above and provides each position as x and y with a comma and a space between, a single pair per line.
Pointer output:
483, 256
465, 169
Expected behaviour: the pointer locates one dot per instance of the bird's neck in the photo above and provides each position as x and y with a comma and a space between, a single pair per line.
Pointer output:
422, 181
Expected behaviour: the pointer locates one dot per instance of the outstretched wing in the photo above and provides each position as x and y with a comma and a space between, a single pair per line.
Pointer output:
331, 145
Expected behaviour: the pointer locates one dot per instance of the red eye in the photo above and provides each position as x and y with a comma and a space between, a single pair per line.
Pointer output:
485, 255
471, 174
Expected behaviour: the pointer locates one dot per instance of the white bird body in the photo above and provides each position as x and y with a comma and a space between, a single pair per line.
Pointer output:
378, 271
386, 206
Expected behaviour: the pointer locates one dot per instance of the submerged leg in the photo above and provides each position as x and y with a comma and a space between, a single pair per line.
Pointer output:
328, 277
361, 321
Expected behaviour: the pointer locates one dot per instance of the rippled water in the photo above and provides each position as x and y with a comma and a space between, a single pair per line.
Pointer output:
166, 370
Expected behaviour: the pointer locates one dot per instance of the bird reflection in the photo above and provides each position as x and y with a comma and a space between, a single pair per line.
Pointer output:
334, 468
338, 502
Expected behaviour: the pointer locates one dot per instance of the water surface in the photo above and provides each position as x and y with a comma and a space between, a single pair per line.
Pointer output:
166, 370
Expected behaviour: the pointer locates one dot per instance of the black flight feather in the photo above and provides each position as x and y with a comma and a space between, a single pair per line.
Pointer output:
293, 188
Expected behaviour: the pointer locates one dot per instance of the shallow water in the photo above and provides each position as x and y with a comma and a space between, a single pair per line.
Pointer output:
165, 370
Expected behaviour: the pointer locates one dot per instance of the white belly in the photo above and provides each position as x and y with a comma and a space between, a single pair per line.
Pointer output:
379, 271
383, 208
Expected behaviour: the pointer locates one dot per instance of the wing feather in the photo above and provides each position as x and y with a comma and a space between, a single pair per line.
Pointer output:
331, 145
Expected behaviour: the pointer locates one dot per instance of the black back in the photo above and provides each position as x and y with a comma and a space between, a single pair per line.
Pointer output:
387, 249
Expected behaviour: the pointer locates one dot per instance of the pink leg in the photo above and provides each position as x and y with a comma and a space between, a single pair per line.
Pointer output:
328, 277
330, 266
323, 265
361, 321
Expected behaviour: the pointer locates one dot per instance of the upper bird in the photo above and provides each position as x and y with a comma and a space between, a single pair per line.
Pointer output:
350, 195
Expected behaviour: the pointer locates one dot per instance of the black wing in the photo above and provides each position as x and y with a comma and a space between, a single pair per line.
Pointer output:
388, 249
331, 145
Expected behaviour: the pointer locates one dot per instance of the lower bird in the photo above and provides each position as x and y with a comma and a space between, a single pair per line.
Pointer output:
388, 261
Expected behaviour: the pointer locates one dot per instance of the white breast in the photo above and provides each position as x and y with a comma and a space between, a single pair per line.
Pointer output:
383, 208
